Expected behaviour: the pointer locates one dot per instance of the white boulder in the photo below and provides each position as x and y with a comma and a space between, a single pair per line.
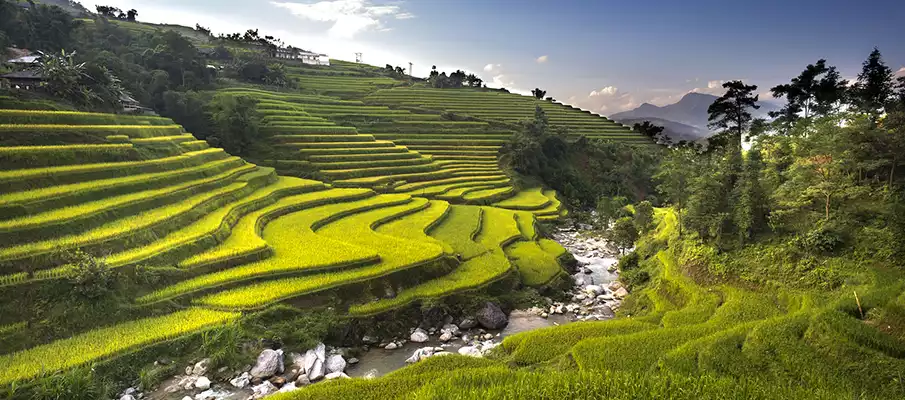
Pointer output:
264, 389
336, 375
269, 363
470, 351
200, 367
241, 381
202, 383
335, 363
419, 336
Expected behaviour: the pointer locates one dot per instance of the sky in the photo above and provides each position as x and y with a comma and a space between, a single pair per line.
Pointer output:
605, 56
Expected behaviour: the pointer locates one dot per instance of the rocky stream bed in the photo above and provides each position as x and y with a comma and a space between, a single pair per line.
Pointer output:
595, 295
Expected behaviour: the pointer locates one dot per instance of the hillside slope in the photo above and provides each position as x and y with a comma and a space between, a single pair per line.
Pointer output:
222, 237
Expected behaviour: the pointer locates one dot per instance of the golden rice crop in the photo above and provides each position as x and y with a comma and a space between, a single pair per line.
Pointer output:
528, 199
459, 228
212, 223
284, 236
470, 274
133, 131
396, 254
106, 342
536, 266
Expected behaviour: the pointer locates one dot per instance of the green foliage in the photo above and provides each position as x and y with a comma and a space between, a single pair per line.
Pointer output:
624, 233
643, 216
91, 277
236, 120
39, 27
730, 113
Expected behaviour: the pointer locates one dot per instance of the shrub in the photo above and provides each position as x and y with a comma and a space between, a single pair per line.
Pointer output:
634, 278
629, 262
819, 240
91, 277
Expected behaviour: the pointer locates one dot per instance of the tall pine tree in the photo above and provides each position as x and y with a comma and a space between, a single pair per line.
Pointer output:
731, 114
875, 86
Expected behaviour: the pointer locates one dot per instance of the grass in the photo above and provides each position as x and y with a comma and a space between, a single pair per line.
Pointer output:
36, 117
475, 272
128, 226
47, 198
73, 218
536, 266
106, 342
133, 131
459, 229
396, 255
207, 230
526, 199
21, 179
305, 214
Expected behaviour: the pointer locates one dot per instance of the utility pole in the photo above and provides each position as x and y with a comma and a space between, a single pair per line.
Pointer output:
358, 57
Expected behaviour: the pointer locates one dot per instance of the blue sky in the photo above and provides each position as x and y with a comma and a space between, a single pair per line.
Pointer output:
606, 56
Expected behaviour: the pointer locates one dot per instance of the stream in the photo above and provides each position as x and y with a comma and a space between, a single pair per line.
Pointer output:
596, 263
595, 295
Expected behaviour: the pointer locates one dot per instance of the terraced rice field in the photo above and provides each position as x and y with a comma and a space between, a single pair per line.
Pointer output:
304, 129
140, 191
506, 107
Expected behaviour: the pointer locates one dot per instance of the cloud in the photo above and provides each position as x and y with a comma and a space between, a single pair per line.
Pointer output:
713, 87
492, 67
901, 72
542, 59
607, 91
349, 17
607, 100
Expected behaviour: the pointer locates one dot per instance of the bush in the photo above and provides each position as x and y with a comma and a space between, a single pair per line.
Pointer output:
91, 277
629, 262
634, 278
822, 239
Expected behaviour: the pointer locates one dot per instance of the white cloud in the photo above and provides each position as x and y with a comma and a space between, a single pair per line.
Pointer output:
607, 91
492, 67
349, 17
713, 87
542, 59
608, 100
901, 72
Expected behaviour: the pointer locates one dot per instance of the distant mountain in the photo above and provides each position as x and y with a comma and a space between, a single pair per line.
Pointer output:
675, 130
690, 111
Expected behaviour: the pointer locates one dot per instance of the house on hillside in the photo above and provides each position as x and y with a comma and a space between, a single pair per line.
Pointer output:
23, 80
307, 57
22, 67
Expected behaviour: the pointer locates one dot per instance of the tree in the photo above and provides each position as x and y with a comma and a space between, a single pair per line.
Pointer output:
874, 88
473, 81
456, 79
236, 122
624, 233
538, 93
674, 176
730, 111
649, 129
131, 14
610, 209
816, 91
644, 216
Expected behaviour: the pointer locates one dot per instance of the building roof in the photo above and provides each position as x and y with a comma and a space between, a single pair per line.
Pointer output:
25, 60
23, 75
